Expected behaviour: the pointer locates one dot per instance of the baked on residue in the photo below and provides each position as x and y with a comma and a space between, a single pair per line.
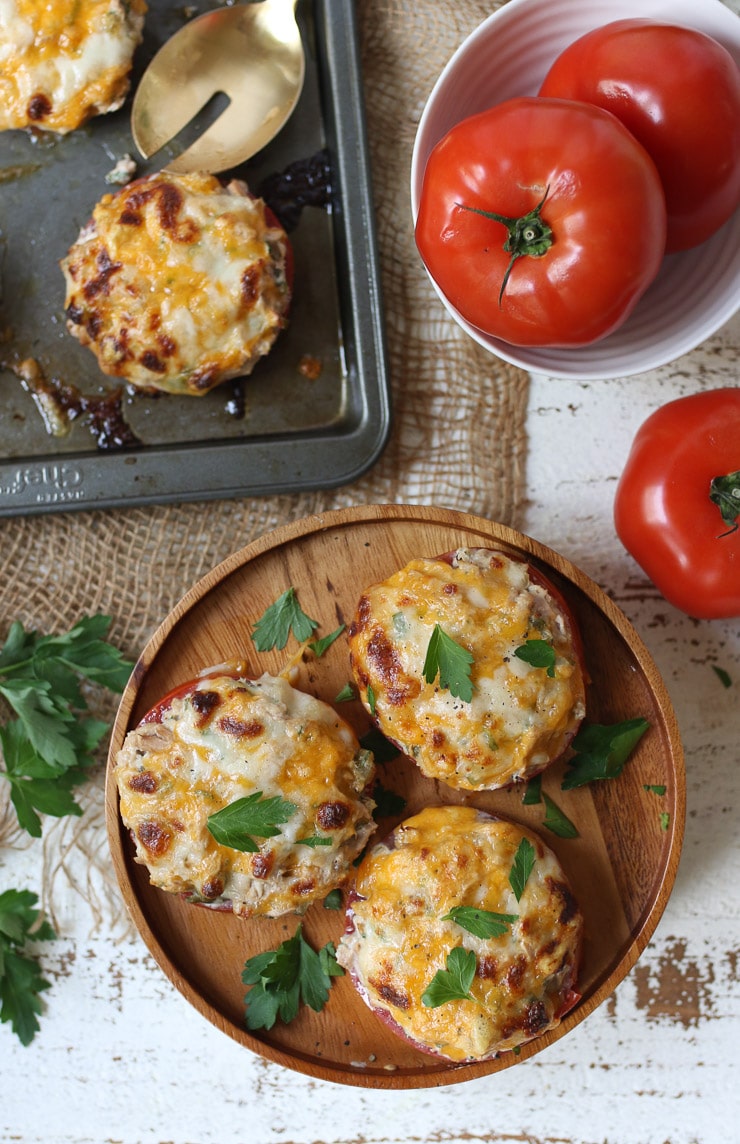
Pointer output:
520, 717
398, 939
179, 283
222, 738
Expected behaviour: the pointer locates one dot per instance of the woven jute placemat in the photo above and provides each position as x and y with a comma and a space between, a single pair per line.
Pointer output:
458, 440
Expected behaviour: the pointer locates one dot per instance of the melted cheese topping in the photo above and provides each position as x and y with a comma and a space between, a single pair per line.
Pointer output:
178, 283
224, 739
456, 856
62, 61
520, 718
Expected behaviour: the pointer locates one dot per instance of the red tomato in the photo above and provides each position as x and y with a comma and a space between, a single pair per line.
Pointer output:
678, 92
670, 512
563, 195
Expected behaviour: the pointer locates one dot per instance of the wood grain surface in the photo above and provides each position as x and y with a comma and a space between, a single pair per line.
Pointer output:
622, 866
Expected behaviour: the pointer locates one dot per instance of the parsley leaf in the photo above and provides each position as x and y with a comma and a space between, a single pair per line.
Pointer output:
371, 698
387, 802
656, 788
556, 821
21, 981
52, 740
521, 867
722, 675
284, 977
481, 923
602, 750
333, 900
314, 840
533, 792
277, 622
382, 749
452, 983
235, 824
665, 820
451, 662
318, 647
537, 653
346, 694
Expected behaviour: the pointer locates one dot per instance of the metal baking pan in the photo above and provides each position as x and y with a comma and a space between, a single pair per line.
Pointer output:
287, 427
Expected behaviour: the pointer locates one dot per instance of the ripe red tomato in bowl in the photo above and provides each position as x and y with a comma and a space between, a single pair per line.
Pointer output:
542, 221
678, 91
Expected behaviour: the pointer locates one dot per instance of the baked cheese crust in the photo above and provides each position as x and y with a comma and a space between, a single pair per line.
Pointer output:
63, 61
225, 738
397, 938
178, 283
520, 718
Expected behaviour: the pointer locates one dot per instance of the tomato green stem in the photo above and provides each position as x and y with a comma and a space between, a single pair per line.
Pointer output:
528, 235
725, 493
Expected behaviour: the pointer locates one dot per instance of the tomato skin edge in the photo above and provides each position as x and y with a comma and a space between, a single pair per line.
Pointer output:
604, 204
662, 511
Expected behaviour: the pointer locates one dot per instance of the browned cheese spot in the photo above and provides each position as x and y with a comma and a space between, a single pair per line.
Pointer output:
570, 905
106, 269
212, 890
332, 815
390, 994
262, 864
241, 729
145, 782
154, 837
39, 106
205, 703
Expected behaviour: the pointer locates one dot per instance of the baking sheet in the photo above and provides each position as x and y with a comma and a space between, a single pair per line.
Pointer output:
277, 431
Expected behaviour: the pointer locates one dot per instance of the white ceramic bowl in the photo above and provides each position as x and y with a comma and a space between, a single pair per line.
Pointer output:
508, 55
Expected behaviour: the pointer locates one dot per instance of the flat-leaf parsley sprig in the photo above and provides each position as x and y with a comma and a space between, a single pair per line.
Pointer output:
21, 982
49, 746
283, 978
451, 662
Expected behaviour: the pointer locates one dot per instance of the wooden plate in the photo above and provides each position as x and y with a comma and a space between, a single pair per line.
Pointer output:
622, 866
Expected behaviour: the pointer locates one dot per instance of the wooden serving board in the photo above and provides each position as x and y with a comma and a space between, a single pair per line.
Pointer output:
621, 867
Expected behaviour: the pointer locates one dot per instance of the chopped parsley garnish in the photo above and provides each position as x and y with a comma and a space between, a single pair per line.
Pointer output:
283, 978
722, 675
318, 647
481, 923
521, 867
452, 983
314, 840
602, 750
333, 900
451, 662
655, 788
48, 749
556, 821
347, 694
537, 653
277, 622
665, 820
371, 700
235, 824
21, 981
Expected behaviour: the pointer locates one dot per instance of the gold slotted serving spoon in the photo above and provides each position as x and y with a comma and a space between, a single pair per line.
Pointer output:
251, 53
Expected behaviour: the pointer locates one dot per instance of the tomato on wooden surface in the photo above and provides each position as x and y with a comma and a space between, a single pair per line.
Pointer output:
678, 92
542, 221
678, 501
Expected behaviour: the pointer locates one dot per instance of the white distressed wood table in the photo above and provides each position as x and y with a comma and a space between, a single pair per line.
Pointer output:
123, 1057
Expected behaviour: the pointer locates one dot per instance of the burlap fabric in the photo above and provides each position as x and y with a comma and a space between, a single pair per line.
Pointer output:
458, 440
